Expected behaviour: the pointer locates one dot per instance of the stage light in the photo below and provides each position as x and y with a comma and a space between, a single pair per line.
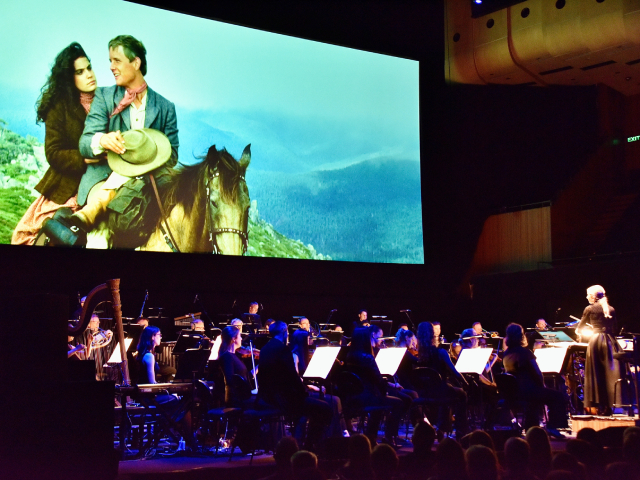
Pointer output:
585, 334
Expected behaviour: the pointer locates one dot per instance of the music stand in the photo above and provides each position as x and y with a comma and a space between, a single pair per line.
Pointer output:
626, 344
556, 337
321, 362
334, 337
251, 319
115, 356
473, 360
187, 339
550, 360
388, 359
192, 360
385, 326
215, 348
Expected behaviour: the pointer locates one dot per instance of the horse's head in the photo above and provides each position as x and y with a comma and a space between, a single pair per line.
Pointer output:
228, 206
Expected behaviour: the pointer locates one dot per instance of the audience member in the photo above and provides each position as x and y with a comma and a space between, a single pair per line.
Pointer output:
359, 464
478, 437
620, 470
304, 466
450, 463
384, 461
539, 451
587, 454
482, 463
631, 445
285, 449
566, 461
421, 461
516, 460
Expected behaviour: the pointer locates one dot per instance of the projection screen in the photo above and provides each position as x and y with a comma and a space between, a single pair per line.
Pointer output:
334, 137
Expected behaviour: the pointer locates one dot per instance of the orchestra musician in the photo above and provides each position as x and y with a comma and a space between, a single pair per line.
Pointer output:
519, 361
602, 369
438, 359
437, 333
362, 320
361, 361
232, 365
150, 338
542, 326
300, 340
376, 339
478, 330
75, 352
143, 322
95, 339
244, 351
252, 315
469, 340
406, 338
280, 386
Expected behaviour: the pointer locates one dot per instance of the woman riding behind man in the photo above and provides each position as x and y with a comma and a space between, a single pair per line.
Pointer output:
63, 106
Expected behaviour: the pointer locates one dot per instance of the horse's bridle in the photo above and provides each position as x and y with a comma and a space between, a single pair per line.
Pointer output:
213, 232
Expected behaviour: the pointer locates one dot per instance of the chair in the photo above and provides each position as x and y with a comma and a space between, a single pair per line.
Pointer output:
510, 398
625, 359
430, 385
251, 434
349, 387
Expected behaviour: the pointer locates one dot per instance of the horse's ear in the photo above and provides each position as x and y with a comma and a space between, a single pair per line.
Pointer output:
212, 157
245, 159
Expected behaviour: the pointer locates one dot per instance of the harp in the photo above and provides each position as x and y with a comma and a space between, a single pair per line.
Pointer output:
106, 292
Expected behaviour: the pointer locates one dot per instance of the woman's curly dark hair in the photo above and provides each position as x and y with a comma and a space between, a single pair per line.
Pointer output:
60, 86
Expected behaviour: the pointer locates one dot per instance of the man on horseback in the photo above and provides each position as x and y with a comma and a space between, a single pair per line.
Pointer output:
129, 104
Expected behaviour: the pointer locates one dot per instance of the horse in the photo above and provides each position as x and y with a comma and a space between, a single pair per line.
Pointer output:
207, 207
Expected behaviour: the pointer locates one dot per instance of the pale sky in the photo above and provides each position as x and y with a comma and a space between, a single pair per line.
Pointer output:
199, 63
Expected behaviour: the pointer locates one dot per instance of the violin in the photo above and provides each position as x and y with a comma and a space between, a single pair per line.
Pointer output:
244, 352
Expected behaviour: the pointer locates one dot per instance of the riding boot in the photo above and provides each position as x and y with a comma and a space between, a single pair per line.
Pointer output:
87, 215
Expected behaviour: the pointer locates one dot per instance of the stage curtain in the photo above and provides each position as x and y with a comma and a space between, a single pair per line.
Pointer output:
514, 241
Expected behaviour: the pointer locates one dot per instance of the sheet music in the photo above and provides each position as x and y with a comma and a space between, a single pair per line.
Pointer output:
473, 360
388, 359
115, 356
321, 362
215, 348
550, 360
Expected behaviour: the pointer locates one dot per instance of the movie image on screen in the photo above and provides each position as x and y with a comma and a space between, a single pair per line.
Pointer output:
193, 135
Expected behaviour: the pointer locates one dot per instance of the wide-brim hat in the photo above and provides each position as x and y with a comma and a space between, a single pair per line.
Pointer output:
146, 150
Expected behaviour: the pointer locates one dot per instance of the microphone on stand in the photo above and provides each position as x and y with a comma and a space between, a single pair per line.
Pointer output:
405, 311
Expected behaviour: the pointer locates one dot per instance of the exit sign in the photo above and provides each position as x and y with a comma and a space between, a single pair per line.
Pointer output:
633, 139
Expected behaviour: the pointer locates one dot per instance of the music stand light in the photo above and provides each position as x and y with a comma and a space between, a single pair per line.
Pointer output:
115, 356
388, 359
550, 360
473, 360
321, 362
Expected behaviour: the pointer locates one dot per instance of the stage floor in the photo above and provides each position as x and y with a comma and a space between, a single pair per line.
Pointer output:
597, 422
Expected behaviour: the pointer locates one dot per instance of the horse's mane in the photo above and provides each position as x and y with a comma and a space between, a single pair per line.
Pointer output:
188, 186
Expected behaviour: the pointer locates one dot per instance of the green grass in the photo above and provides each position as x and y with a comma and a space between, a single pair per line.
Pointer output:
14, 202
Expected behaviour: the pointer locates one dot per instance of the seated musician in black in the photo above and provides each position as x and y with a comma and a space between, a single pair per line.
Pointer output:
521, 362
360, 361
280, 386
438, 359
406, 338
300, 340
232, 365
150, 338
